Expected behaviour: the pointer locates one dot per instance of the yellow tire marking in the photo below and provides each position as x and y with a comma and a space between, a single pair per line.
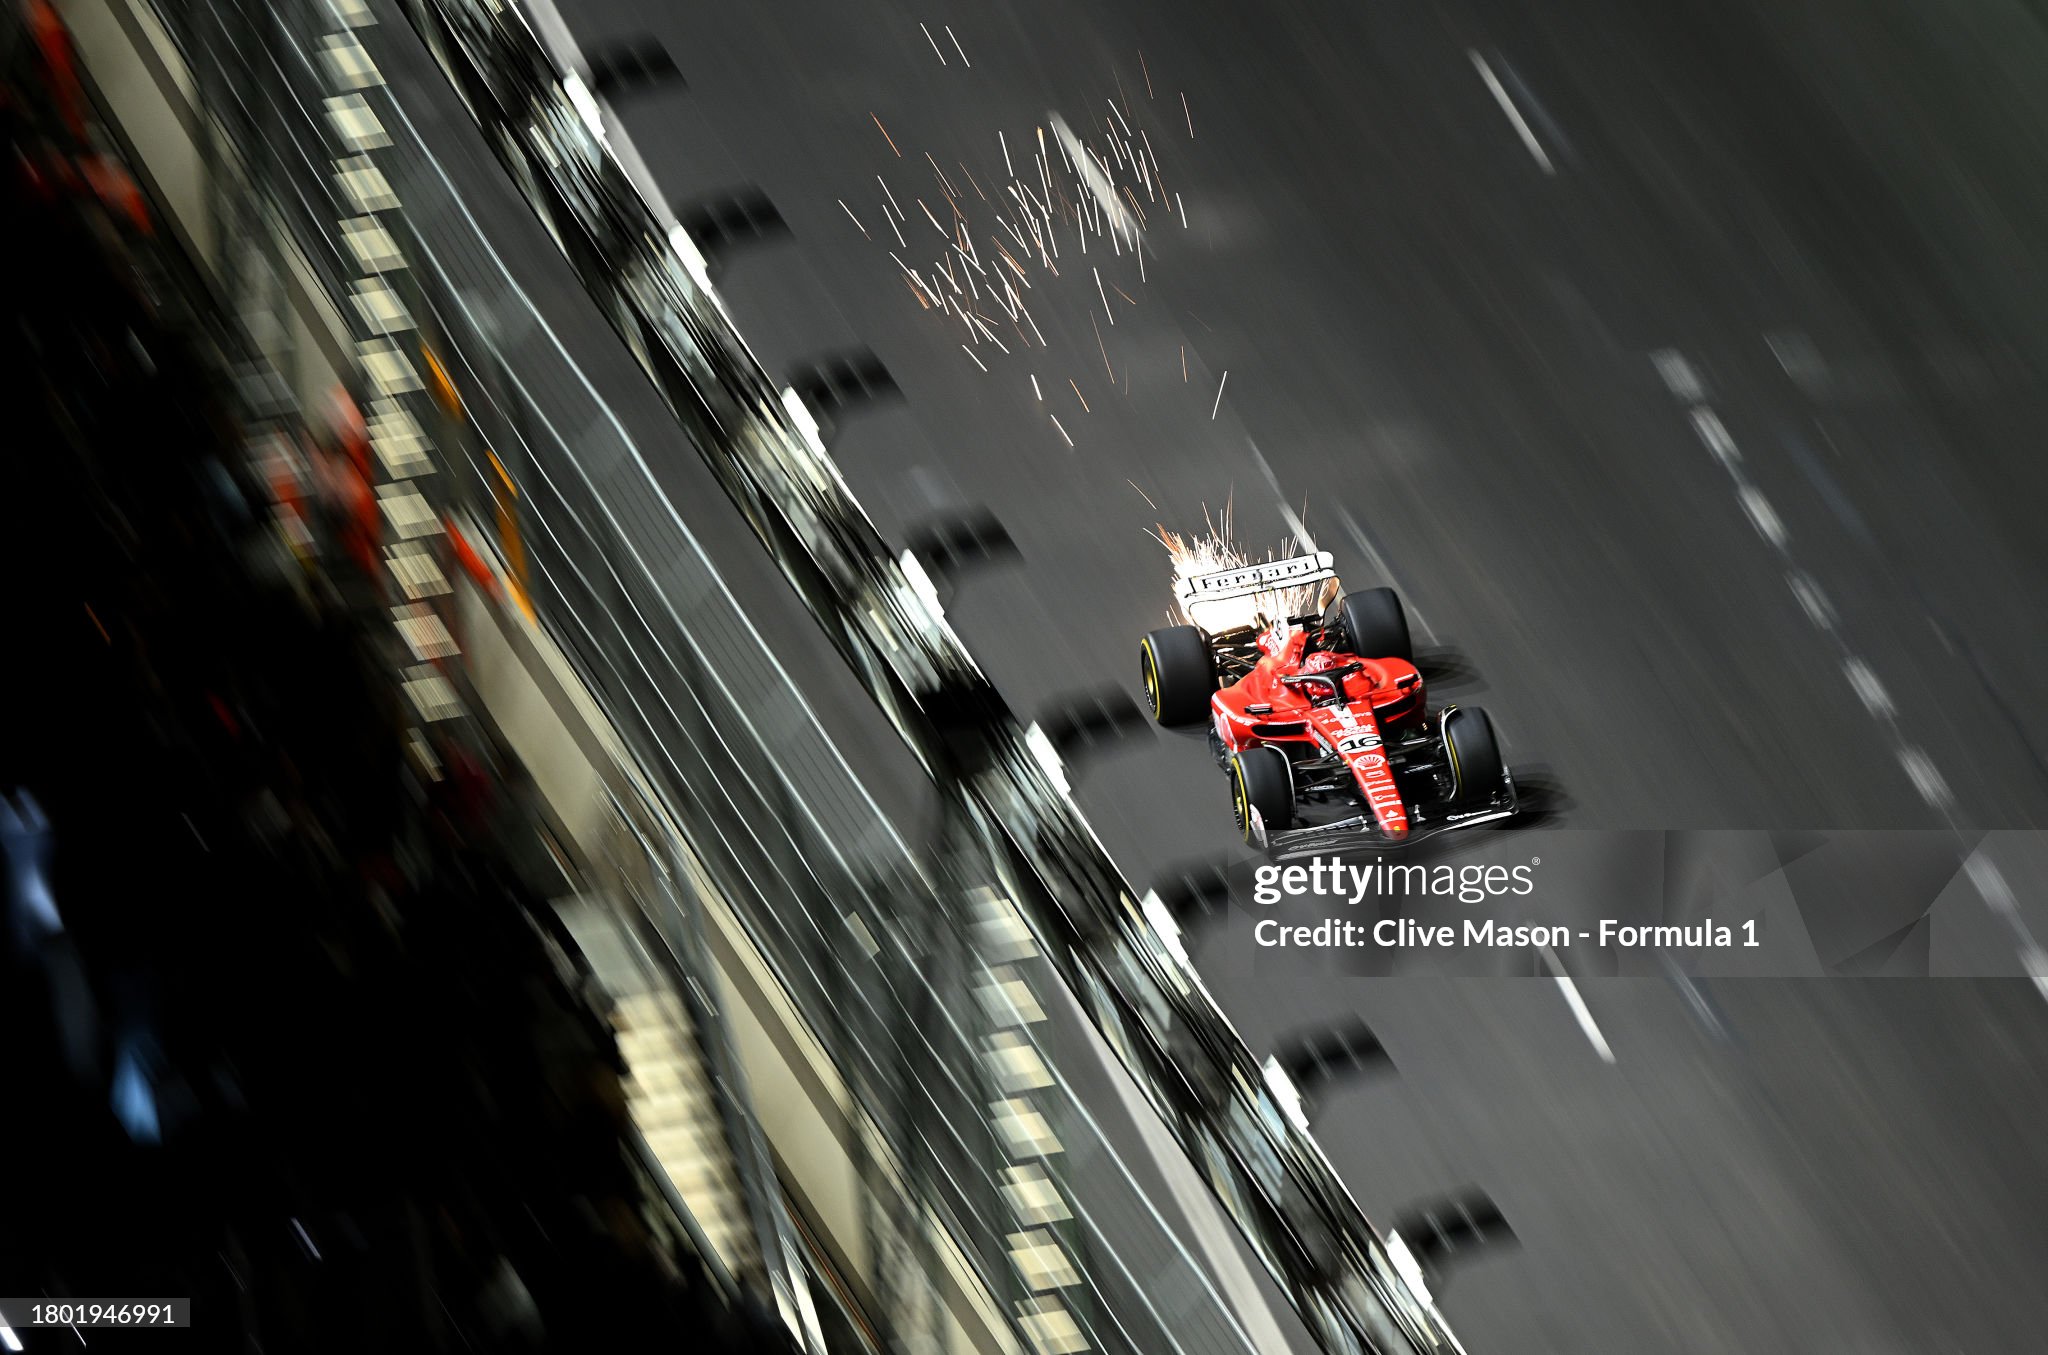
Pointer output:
1451, 751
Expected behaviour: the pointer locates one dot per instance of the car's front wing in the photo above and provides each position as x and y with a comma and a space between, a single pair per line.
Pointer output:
1362, 832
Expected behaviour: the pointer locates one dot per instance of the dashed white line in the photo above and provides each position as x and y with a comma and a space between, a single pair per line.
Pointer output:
1679, 377
1507, 106
1997, 894
1926, 778
1715, 434
1991, 883
1762, 516
1812, 600
1869, 690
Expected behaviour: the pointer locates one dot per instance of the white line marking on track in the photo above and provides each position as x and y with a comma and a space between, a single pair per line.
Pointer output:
1364, 544
1683, 381
1998, 897
1764, 517
1507, 106
1926, 778
1696, 1001
1302, 536
1714, 433
1798, 357
1298, 527
1266, 470
1869, 690
1679, 377
1379, 563
2037, 967
1812, 600
1991, 883
1094, 179
1580, 1012
1525, 97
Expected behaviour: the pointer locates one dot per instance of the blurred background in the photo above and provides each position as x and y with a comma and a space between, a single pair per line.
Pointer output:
569, 772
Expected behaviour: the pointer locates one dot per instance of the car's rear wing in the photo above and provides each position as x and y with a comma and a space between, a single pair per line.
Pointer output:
1273, 576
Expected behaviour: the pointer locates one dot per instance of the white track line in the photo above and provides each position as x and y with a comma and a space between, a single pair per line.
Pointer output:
1386, 571
1812, 600
1507, 106
1580, 1012
1093, 179
1933, 788
1715, 434
1762, 516
1869, 690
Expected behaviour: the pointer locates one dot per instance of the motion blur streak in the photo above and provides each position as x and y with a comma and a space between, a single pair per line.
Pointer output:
1828, 209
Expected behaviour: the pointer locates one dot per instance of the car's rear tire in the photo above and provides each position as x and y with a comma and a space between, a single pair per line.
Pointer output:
1373, 625
1262, 779
1179, 674
1473, 753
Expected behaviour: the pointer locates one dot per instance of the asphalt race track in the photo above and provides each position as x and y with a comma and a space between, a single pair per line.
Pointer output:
1681, 365
1846, 1167
1430, 337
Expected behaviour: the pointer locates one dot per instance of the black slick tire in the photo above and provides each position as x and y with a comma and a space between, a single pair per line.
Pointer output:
1179, 675
1262, 779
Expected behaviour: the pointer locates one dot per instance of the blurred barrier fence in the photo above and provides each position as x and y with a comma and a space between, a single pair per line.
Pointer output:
239, 257
747, 798
300, 178
1019, 829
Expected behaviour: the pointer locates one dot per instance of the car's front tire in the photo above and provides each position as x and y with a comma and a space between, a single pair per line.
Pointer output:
1262, 779
1179, 674
1373, 625
1472, 751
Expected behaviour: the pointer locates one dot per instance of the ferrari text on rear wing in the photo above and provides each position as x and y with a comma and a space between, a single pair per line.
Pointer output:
1269, 577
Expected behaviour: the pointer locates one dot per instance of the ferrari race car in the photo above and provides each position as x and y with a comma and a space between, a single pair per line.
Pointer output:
1317, 713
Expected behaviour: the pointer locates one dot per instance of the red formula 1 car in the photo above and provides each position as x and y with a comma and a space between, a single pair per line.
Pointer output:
1320, 717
